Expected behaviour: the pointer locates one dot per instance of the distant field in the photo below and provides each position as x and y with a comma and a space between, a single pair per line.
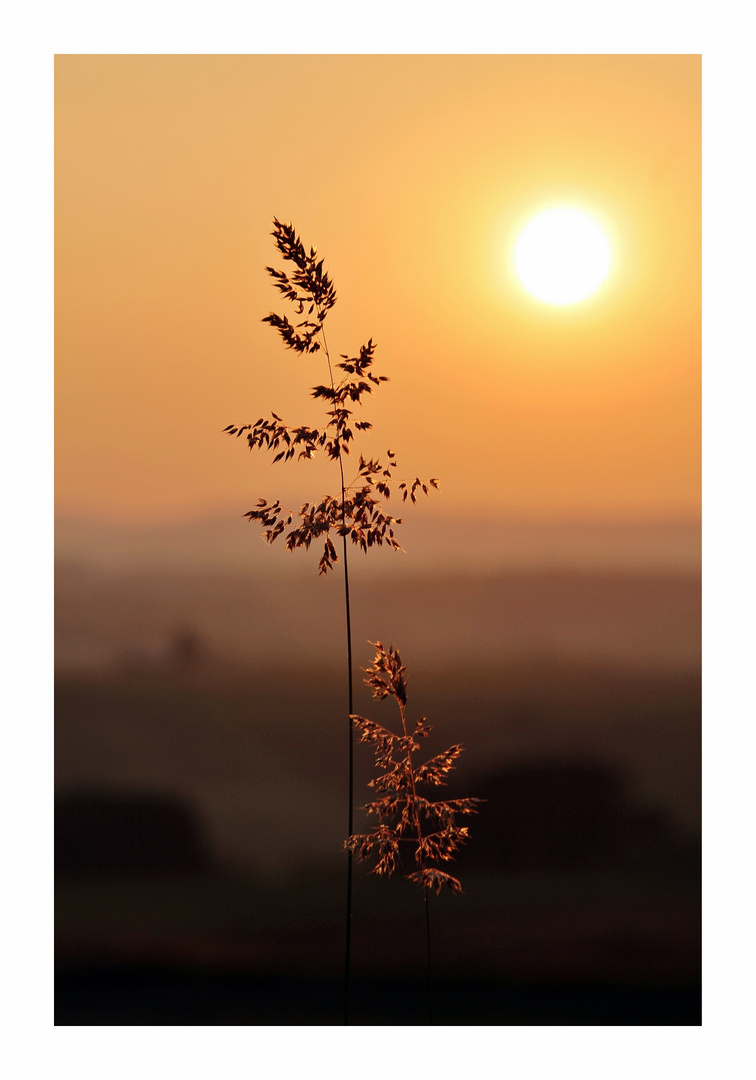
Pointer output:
201, 798
622, 618
261, 753
434, 544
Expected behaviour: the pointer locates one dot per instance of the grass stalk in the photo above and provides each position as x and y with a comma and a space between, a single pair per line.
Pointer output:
358, 515
430, 960
350, 860
350, 684
403, 816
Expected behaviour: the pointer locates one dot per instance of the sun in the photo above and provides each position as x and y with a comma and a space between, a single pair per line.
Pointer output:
562, 256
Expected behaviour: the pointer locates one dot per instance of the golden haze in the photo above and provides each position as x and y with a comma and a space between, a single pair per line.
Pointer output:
413, 175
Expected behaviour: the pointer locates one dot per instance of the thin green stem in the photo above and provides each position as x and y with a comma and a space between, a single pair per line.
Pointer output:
348, 943
430, 966
419, 830
347, 960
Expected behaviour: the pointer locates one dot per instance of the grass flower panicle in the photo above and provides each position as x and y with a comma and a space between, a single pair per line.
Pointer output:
357, 513
402, 815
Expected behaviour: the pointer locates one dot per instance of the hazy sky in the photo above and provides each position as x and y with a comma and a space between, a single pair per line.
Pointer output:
413, 176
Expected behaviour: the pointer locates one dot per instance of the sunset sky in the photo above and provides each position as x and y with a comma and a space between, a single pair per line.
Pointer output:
413, 176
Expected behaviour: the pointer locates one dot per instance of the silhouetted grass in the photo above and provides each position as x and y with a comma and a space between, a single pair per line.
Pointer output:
357, 513
404, 816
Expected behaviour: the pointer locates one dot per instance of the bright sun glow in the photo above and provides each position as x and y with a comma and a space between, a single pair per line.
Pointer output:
562, 256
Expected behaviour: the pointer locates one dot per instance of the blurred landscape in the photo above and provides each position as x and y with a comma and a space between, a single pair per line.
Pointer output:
201, 758
548, 602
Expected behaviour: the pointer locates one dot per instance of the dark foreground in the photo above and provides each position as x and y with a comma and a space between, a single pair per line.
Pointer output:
200, 870
590, 946
148, 996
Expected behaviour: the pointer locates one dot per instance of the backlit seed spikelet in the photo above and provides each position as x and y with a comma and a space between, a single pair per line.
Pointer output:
403, 816
358, 514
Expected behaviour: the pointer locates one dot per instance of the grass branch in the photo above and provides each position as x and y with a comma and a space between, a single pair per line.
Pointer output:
357, 515
402, 815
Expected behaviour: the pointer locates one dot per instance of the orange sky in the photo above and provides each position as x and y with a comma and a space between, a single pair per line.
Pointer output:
412, 175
